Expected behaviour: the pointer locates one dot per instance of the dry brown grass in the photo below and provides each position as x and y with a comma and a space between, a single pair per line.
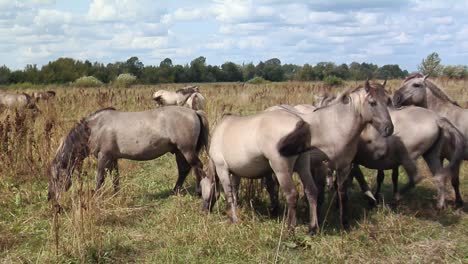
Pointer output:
143, 223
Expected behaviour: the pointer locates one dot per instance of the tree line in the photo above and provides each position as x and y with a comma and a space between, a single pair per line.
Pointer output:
67, 70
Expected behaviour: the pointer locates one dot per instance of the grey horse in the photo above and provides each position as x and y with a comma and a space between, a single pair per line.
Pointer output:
338, 127
189, 97
110, 135
418, 90
254, 147
21, 100
43, 95
432, 137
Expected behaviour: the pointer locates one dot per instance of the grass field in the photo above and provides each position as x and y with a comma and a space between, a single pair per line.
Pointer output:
144, 223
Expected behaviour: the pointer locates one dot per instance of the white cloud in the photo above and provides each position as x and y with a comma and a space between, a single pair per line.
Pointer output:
36, 31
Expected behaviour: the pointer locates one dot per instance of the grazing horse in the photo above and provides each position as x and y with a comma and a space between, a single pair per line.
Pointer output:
43, 95
254, 147
418, 90
336, 130
189, 97
21, 100
110, 135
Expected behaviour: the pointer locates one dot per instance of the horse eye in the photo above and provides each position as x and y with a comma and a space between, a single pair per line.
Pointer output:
369, 141
373, 103
417, 85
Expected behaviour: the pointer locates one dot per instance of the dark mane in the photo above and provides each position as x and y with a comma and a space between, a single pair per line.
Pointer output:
72, 151
412, 76
110, 108
188, 90
439, 93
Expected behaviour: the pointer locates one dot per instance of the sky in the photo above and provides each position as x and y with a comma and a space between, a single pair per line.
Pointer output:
342, 31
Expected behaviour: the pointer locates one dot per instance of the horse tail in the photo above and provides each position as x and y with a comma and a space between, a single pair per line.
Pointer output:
456, 144
296, 142
202, 141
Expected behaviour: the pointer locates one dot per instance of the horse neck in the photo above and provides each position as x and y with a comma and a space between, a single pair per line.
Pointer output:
343, 122
440, 106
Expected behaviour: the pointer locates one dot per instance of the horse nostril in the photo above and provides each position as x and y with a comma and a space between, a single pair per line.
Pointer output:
388, 130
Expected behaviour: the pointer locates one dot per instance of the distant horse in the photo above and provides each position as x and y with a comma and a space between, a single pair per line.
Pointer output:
254, 147
110, 135
418, 90
338, 129
189, 97
21, 100
43, 95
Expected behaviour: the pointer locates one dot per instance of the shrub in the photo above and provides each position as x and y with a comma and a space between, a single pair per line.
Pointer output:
125, 80
257, 80
332, 80
87, 81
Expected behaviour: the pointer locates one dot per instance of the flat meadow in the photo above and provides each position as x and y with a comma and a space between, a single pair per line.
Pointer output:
145, 223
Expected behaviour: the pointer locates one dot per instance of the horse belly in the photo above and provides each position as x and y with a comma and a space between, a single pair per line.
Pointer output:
142, 150
252, 168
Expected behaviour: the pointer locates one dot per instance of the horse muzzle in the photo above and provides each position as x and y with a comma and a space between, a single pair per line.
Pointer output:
388, 130
397, 99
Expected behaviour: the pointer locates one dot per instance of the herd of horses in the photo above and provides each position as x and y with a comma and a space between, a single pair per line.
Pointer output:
24, 100
361, 126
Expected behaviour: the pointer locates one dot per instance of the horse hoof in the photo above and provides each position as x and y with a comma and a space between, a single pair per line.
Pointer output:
458, 204
397, 197
274, 211
313, 231
440, 207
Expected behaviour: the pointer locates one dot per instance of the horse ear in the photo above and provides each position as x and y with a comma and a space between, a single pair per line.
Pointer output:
367, 86
384, 83
425, 77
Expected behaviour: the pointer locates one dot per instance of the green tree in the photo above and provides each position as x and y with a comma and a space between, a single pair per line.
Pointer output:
273, 70
431, 65
165, 71
307, 73
134, 66
248, 71
198, 69
4, 75
231, 72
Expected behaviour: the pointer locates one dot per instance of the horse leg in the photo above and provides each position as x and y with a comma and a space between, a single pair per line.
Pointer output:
183, 168
101, 170
395, 180
413, 178
192, 158
320, 176
283, 171
310, 189
380, 179
272, 188
440, 174
455, 173
235, 188
357, 173
341, 178
223, 174
114, 168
